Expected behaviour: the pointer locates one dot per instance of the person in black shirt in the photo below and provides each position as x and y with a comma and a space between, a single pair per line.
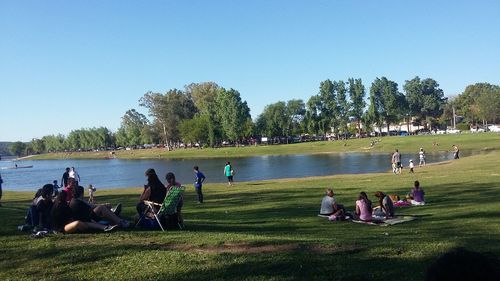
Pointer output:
86, 212
62, 218
154, 191
65, 176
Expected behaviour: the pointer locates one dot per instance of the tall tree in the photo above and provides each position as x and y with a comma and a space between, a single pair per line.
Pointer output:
357, 97
195, 129
326, 107
342, 105
467, 103
274, 120
204, 97
388, 102
296, 110
488, 104
232, 112
133, 125
169, 110
425, 99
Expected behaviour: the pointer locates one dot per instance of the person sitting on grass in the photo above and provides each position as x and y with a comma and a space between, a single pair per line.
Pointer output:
154, 191
329, 206
364, 207
385, 207
43, 206
62, 218
417, 195
86, 212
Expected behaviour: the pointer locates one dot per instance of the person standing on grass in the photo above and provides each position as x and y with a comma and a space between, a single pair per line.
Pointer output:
65, 177
456, 151
200, 178
74, 175
229, 172
421, 156
396, 159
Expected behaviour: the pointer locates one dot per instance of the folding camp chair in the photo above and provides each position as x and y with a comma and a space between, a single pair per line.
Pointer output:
168, 208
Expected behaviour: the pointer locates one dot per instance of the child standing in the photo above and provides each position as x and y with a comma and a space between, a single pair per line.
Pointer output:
200, 178
91, 193
411, 166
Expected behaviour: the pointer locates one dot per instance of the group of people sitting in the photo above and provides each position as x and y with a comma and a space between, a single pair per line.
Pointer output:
364, 209
68, 212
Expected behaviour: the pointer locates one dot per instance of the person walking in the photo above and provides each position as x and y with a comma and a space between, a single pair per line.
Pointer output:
200, 178
396, 159
229, 172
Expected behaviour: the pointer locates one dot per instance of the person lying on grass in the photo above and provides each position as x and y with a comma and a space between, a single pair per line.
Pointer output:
86, 212
385, 207
364, 207
329, 206
62, 219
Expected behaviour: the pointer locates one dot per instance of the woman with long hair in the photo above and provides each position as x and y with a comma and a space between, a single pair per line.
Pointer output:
154, 190
385, 207
364, 207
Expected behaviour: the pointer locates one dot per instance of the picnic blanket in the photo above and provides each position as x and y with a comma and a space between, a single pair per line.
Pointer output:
387, 222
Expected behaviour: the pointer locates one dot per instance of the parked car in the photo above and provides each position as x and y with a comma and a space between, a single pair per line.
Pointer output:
452, 131
494, 128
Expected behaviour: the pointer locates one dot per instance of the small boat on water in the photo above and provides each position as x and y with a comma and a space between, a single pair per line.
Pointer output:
17, 167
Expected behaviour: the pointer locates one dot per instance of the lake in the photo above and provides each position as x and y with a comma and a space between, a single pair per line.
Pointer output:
119, 173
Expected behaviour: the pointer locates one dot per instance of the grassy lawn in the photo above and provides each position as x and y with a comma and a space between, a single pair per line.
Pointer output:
483, 141
268, 230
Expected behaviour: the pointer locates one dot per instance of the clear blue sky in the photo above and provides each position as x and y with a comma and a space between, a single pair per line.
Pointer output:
67, 65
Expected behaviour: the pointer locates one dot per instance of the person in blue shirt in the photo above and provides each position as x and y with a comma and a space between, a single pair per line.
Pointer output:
200, 178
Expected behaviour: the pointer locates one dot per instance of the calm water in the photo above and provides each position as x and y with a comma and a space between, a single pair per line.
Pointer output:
116, 173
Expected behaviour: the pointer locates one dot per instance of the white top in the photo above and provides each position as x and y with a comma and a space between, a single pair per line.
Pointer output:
421, 155
73, 174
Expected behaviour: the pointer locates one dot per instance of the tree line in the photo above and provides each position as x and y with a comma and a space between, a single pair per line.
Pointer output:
210, 115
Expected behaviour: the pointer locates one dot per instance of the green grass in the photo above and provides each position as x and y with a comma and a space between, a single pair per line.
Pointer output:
268, 230
484, 141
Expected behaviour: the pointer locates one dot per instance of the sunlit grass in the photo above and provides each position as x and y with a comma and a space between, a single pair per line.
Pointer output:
431, 143
268, 230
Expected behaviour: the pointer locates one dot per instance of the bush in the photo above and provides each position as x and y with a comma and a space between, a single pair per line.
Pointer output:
463, 126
